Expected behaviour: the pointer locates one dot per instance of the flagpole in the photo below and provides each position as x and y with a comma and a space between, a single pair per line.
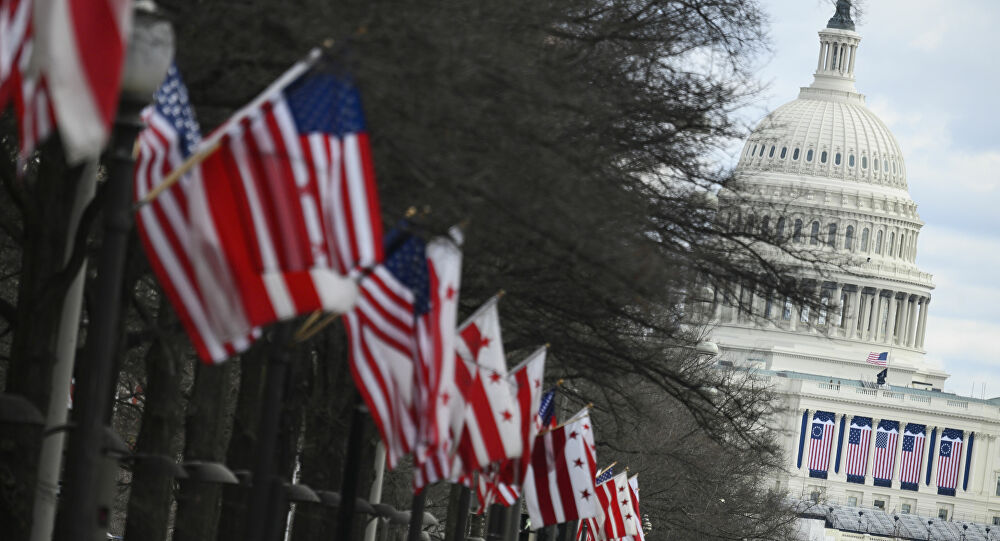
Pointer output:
349, 482
417, 516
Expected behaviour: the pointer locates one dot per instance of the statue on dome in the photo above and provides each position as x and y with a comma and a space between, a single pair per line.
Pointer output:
842, 18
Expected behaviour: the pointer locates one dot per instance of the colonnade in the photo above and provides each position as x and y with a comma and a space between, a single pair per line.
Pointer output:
855, 312
836, 55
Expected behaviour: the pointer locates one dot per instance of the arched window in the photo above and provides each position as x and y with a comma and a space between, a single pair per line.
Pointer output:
836, 159
771, 153
902, 245
814, 234
765, 226
893, 167
797, 231
822, 157
754, 149
878, 243
751, 224
849, 239
762, 149
892, 243
864, 162
850, 160
784, 150
864, 240
795, 154
809, 156
885, 165
875, 165
831, 235
779, 228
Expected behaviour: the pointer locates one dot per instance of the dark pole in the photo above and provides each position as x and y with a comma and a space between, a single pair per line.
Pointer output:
83, 515
462, 518
497, 522
262, 507
349, 484
417, 516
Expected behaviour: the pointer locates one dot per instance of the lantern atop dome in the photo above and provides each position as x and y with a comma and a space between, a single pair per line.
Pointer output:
842, 18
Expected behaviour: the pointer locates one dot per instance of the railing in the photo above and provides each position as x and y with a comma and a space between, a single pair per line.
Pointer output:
866, 392
918, 398
958, 404
830, 386
893, 395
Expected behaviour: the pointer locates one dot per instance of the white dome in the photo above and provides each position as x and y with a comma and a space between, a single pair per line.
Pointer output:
826, 133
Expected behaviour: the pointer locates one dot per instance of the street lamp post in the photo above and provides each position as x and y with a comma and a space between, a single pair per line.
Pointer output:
150, 51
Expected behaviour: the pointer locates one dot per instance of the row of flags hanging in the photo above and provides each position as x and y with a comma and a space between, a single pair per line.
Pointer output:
882, 451
275, 215
280, 218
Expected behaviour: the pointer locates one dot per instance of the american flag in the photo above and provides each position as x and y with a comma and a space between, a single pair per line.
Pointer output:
547, 410
878, 359
17, 78
381, 329
170, 136
886, 436
559, 486
911, 456
81, 54
858, 439
820, 441
949, 459
606, 475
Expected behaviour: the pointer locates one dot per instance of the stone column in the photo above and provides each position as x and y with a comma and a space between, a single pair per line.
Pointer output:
911, 331
924, 305
822, 52
934, 457
876, 312
890, 323
834, 309
717, 305
854, 50
829, 54
853, 308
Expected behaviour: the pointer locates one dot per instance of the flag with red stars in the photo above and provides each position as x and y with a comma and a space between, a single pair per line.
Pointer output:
559, 485
491, 421
615, 506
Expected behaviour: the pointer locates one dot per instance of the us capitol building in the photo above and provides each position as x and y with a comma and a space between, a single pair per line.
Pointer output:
824, 171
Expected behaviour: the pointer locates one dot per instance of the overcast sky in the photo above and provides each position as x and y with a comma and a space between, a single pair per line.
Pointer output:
928, 71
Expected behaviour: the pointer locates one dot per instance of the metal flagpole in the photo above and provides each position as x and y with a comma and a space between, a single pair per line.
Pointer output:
417, 516
261, 510
349, 483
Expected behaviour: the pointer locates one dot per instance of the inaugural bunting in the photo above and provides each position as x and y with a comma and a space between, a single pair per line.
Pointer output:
949, 459
820, 443
910, 458
857, 449
886, 436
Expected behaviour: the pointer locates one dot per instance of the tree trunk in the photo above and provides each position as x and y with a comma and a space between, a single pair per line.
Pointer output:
207, 435
242, 443
162, 420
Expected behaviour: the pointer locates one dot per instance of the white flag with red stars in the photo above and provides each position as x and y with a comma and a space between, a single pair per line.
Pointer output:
616, 504
559, 485
491, 421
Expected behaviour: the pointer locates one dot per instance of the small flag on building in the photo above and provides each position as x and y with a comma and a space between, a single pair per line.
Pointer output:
878, 359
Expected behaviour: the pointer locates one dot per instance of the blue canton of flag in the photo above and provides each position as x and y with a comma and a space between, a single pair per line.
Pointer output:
908, 442
325, 102
855, 436
546, 409
945, 448
172, 103
407, 261
881, 440
606, 476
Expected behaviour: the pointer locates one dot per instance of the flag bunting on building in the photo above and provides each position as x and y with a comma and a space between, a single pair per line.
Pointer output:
949, 460
859, 436
164, 227
559, 486
820, 443
886, 437
286, 206
910, 459
878, 359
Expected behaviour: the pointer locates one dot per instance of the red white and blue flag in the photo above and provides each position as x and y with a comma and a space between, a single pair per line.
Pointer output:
287, 206
910, 459
886, 437
633, 485
616, 509
820, 442
858, 439
949, 459
878, 359
169, 139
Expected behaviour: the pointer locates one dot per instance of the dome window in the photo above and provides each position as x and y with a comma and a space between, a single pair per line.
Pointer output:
822, 157
771, 153
849, 239
780, 228
814, 234
831, 236
864, 240
892, 243
875, 165
754, 151
765, 226
836, 159
795, 154
809, 156
885, 165
784, 150
902, 245
850, 160
893, 167
762, 148
864, 162
878, 243
797, 231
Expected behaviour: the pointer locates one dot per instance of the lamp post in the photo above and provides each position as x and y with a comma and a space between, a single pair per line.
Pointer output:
150, 51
